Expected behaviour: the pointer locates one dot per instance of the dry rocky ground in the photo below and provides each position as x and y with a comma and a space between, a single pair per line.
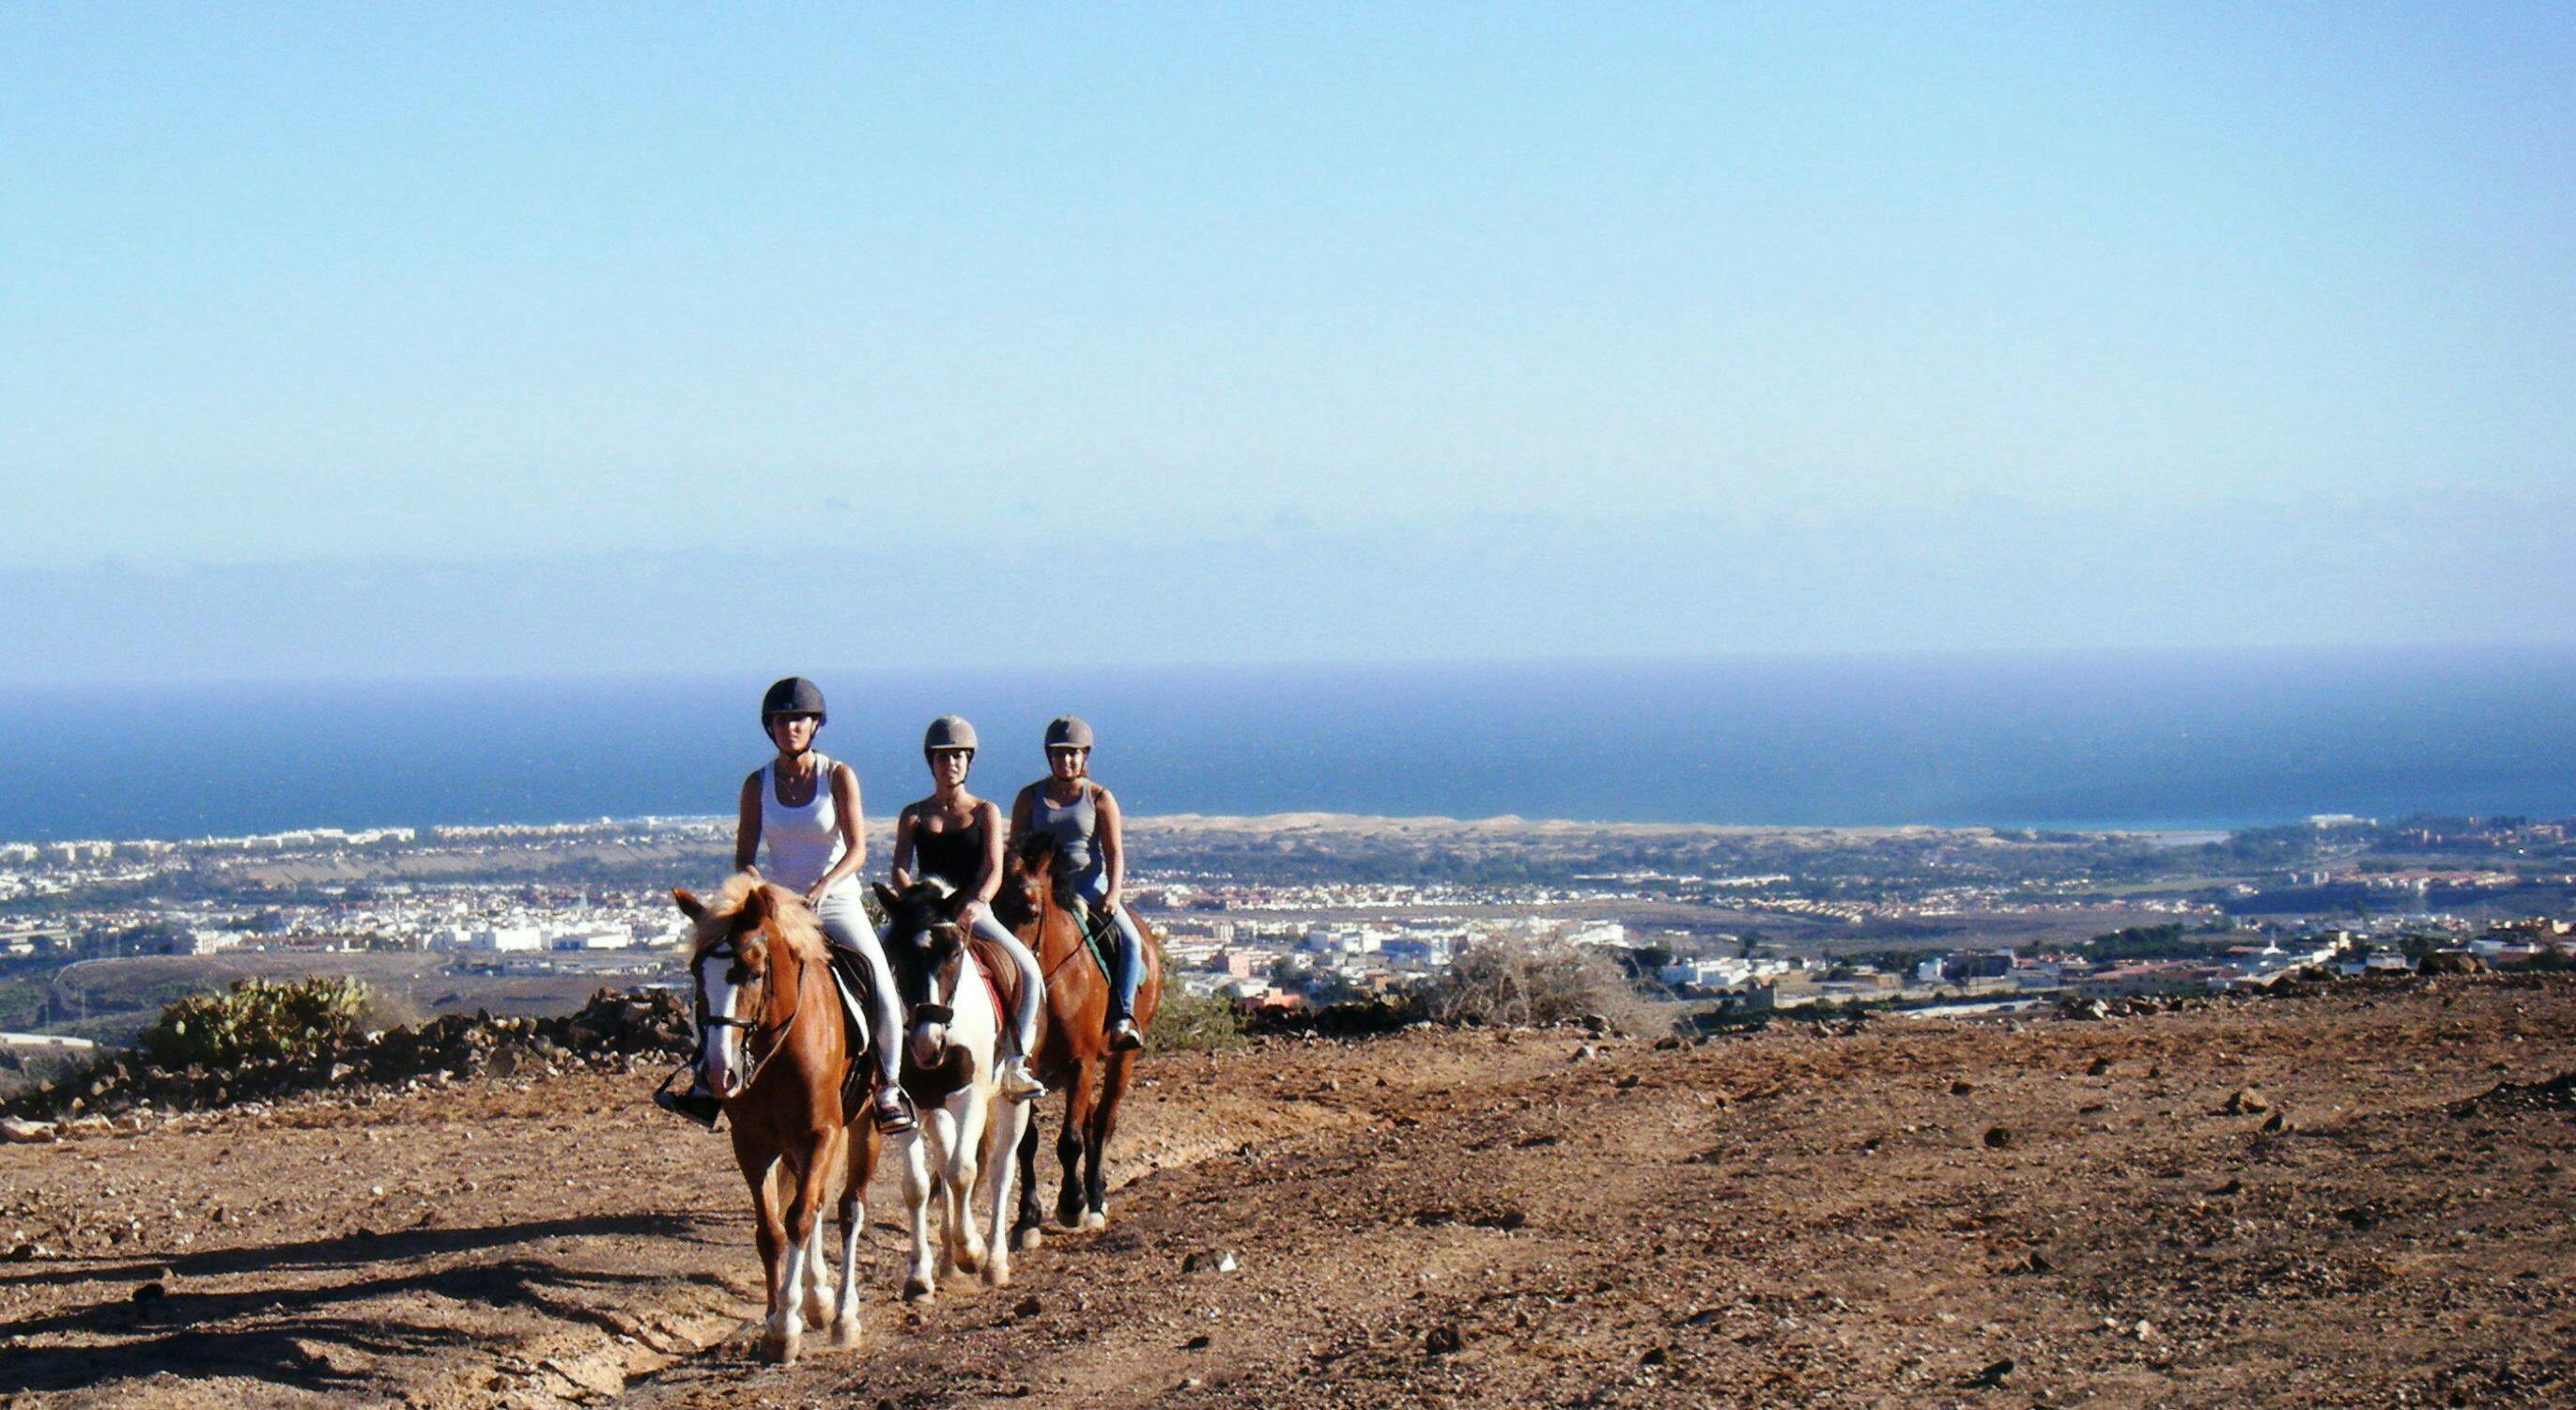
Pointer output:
2320, 1200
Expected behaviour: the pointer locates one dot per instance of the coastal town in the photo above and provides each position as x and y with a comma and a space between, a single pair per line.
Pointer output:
532, 916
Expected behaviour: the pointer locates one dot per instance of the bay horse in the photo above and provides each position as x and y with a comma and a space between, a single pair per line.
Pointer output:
1073, 1053
963, 1154
774, 1053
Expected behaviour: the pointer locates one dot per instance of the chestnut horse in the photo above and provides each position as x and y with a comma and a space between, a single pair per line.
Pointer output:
1073, 1053
964, 1154
771, 1043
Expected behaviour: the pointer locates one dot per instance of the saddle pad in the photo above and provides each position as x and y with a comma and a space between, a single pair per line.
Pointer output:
1000, 975
856, 1078
852, 1006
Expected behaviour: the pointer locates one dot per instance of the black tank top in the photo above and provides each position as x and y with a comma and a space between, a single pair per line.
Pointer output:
955, 856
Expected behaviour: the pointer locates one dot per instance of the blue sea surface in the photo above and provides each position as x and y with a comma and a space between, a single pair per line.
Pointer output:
2130, 740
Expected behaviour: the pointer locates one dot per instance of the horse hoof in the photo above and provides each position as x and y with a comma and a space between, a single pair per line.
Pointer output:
1032, 1237
997, 1274
782, 1349
916, 1290
1095, 1219
845, 1331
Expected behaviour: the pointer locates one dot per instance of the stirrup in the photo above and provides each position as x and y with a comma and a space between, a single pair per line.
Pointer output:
898, 1121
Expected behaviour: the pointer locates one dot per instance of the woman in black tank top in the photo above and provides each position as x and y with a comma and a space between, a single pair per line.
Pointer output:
957, 837
953, 854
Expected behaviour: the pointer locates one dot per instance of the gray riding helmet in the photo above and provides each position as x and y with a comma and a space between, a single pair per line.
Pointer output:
793, 696
949, 732
1068, 732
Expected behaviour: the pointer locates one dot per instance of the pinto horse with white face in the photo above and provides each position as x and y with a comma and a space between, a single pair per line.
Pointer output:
774, 1053
964, 1153
1074, 1053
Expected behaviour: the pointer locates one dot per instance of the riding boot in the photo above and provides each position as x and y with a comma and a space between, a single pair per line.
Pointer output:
1123, 1037
696, 1104
894, 1111
1017, 1082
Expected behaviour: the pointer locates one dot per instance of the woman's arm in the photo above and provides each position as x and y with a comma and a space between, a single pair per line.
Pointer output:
1020, 815
902, 868
988, 882
854, 832
1113, 843
746, 833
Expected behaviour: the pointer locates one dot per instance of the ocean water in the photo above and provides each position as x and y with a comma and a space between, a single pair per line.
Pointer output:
2134, 740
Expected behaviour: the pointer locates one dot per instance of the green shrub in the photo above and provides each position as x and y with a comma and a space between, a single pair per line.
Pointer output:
255, 1020
1191, 1023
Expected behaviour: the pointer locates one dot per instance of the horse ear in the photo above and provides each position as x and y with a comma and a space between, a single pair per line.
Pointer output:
690, 906
885, 894
755, 908
756, 878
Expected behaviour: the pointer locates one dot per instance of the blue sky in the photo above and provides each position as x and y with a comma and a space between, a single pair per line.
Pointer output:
440, 339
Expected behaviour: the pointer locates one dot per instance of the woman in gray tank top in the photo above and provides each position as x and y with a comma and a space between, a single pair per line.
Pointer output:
1083, 818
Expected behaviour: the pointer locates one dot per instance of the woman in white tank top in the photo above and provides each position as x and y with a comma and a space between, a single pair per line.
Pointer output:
805, 806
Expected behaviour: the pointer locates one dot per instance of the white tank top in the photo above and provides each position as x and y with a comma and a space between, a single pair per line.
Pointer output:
803, 843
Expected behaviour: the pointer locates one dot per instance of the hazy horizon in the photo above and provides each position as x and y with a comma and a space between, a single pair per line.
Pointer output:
466, 339
2170, 740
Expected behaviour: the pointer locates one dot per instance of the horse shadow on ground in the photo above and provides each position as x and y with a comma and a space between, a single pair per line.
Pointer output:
310, 1338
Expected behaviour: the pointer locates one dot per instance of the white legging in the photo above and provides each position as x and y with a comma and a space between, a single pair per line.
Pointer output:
845, 924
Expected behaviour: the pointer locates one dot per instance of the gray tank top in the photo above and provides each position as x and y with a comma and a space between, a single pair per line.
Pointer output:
1072, 826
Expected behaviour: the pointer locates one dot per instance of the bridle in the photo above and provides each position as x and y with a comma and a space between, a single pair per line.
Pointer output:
730, 948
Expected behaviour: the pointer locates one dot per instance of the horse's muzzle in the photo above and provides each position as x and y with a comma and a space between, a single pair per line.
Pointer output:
929, 1043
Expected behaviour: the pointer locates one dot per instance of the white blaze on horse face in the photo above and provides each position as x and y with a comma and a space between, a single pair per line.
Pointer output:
722, 1044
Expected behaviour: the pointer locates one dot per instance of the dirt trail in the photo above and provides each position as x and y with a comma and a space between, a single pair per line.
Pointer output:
1780, 1218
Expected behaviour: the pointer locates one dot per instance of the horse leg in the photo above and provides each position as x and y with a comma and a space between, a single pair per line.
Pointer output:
768, 1231
1001, 1157
783, 1244
946, 1126
919, 1282
804, 1211
1078, 1101
1029, 1230
862, 1162
829, 1153
965, 1169
1104, 1124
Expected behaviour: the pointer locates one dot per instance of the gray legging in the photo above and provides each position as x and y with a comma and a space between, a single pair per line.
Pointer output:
845, 924
1024, 1018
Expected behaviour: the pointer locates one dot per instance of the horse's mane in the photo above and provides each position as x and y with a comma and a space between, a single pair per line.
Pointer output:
789, 917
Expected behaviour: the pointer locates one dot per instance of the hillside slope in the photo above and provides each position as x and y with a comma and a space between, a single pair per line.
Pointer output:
1478, 1217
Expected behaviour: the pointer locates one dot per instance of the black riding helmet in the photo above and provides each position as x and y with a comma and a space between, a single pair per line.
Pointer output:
793, 696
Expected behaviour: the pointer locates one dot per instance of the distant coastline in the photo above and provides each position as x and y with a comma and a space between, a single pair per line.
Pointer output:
881, 831
2130, 742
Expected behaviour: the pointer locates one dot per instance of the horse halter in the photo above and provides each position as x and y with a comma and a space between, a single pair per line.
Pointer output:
730, 948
